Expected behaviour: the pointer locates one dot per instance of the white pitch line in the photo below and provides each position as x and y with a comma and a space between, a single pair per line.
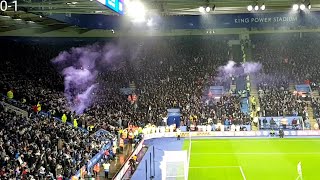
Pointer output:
260, 153
189, 153
241, 170
212, 167
259, 140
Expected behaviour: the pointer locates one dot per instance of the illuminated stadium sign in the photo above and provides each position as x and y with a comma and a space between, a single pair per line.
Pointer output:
115, 5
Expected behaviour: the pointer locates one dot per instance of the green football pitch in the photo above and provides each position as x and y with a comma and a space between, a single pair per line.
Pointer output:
253, 159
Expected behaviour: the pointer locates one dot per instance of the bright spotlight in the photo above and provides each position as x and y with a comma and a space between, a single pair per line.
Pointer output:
309, 6
208, 9
302, 7
295, 7
201, 9
250, 8
263, 7
136, 11
256, 7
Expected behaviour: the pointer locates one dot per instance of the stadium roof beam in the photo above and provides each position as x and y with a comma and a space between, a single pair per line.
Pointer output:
167, 7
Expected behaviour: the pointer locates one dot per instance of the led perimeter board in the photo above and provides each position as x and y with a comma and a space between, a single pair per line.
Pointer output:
115, 5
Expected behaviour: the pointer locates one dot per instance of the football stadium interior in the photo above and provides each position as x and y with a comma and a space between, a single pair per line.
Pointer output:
159, 89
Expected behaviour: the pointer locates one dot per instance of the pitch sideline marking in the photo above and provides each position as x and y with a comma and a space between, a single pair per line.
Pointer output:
242, 173
245, 139
189, 155
208, 167
260, 153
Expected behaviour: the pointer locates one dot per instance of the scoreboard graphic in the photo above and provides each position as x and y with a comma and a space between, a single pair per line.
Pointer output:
115, 5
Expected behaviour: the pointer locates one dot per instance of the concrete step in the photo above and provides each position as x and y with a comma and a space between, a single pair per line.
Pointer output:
310, 114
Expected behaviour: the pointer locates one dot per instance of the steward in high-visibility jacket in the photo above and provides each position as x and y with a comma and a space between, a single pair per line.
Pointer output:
96, 169
91, 127
124, 134
23, 101
83, 172
136, 132
10, 94
64, 118
167, 129
153, 129
75, 123
39, 107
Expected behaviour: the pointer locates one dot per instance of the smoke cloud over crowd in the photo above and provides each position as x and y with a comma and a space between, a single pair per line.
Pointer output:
80, 67
232, 69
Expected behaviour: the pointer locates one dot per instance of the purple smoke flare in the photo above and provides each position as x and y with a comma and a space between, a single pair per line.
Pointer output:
232, 69
80, 67
250, 68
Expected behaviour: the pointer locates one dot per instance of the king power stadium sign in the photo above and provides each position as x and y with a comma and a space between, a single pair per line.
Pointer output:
242, 20
265, 20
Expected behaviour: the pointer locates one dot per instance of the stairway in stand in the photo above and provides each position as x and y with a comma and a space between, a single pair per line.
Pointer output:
253, 93
315, 95
311, 115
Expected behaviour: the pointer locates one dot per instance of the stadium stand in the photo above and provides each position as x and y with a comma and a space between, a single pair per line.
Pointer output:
166, 73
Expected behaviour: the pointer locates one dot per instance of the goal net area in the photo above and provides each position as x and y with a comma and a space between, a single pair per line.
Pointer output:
175, 165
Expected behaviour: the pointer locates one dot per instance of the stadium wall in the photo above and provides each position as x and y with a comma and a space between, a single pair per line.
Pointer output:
243, 20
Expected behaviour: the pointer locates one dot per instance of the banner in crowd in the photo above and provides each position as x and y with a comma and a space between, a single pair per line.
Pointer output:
304, 88
216, 91
231, 134
278, 119
173, 117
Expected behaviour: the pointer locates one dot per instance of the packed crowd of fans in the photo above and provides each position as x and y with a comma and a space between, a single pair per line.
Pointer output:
278, 101
175, 78
40, 147
166, 73
286, 62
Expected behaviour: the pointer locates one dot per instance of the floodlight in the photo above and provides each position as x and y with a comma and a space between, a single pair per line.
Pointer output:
309, 6
208, 9
263, 7
250, 8
295, 7
201, 9
136, 11
302, 7
256, 7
